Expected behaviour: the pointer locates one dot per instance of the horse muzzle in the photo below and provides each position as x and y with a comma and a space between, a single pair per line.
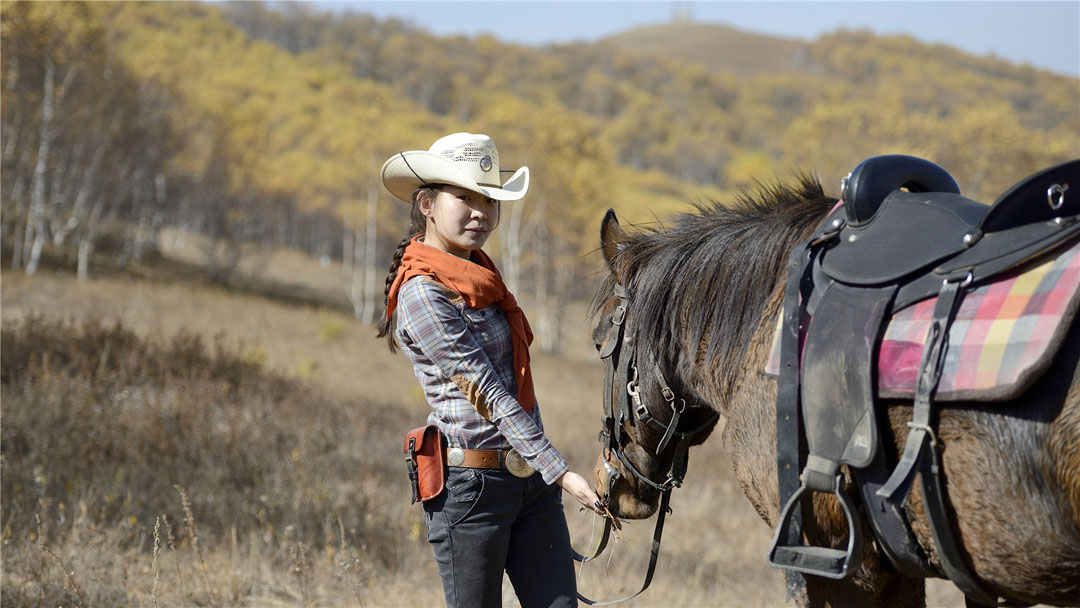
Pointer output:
618, 494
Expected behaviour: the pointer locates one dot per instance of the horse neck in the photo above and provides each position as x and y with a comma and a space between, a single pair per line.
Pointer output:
718, 374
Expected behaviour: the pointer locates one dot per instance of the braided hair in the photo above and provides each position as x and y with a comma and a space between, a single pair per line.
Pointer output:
417, 225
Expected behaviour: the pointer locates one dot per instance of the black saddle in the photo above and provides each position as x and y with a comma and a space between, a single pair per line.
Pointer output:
906, 234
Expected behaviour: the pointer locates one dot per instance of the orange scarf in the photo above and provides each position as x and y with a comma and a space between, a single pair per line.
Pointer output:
480, 285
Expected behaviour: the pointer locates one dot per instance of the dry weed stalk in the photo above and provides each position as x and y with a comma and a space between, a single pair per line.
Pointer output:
350, 565
153, 563
43, 544
70, 575
172, 549
189, 521
301, 569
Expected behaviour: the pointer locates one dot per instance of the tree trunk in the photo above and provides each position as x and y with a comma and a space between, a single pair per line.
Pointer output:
12, 130
370, 289
86, 241
564, 279
511, 246
542, 327
18, 190
35, 223
352, 269
356, 274
348, 234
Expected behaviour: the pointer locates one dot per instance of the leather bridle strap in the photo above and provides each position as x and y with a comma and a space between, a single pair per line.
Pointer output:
600, 546
618, 366
654, 554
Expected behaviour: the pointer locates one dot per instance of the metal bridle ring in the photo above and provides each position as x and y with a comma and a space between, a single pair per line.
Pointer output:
1055, 196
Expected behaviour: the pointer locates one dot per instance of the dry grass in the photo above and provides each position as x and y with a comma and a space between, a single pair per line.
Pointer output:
280, 485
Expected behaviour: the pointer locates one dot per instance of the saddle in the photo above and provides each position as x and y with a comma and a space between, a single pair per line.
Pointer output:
903, 234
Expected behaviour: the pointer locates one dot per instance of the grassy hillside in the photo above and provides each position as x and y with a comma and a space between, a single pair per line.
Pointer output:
717, 47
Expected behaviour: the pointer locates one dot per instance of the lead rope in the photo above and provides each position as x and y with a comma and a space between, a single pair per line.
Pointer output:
654, 554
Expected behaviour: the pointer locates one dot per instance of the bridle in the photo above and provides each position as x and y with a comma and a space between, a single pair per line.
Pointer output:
620, 369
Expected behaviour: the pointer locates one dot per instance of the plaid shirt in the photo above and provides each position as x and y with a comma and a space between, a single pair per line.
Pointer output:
460, 353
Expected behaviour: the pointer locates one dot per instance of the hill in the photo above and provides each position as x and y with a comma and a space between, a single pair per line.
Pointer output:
717, 47
271, 130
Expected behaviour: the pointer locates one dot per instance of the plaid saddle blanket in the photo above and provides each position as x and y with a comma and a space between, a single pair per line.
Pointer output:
1004, 337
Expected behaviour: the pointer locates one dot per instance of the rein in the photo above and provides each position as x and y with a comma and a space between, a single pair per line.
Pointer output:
621, 367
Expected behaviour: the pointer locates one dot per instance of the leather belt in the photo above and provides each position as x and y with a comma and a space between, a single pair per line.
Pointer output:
508, 460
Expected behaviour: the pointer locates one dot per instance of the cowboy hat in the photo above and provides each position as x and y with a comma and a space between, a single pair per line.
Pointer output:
466, 160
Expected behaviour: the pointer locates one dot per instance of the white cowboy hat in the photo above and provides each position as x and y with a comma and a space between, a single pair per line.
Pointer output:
466, 160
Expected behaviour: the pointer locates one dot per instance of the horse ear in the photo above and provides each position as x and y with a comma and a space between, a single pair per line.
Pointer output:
613, 239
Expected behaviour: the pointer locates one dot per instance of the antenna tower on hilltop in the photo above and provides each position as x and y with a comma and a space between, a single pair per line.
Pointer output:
682, 12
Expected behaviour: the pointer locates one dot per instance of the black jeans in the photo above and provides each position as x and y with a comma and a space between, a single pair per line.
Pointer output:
487, 522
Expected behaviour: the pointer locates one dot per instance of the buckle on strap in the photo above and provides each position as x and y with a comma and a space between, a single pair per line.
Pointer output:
820, 561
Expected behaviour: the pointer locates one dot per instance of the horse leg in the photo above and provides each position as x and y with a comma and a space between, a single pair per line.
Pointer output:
887, 591
874, 583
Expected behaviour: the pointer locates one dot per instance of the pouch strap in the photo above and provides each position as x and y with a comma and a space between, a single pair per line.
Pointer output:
414, 476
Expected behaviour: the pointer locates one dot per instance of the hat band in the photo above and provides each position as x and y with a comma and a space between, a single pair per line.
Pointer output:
422, 180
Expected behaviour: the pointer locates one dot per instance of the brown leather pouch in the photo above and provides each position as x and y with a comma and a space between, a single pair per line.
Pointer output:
424, 457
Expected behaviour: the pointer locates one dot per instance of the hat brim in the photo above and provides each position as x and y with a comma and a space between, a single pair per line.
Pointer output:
406, 171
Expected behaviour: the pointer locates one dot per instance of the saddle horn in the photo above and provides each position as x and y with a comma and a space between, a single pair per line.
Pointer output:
873, 179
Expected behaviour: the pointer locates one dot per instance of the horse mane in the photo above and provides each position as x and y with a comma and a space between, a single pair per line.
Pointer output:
709, 277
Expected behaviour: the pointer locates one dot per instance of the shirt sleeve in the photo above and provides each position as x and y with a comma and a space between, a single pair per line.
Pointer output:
437, 329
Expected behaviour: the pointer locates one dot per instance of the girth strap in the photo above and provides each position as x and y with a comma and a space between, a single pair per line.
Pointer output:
921, 439
898, 486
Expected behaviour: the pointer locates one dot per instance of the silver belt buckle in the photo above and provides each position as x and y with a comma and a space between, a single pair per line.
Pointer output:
516, 464
455, 457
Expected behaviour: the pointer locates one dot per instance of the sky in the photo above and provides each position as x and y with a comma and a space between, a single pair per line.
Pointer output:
1042, 34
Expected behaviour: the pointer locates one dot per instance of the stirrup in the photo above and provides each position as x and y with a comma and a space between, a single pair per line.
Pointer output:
819, 561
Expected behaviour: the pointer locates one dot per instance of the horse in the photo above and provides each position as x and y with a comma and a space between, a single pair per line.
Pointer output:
697, 304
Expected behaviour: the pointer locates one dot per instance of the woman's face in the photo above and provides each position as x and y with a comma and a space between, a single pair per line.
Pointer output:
459, 220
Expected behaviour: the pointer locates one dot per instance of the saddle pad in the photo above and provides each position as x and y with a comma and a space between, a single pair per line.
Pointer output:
1004, 336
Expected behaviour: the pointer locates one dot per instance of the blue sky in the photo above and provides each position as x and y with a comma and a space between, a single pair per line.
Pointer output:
1043, 34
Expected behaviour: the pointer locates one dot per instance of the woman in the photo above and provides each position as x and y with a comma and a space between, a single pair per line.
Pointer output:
469, 344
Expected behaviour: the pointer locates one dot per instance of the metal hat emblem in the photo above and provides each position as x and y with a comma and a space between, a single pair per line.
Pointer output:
485, 164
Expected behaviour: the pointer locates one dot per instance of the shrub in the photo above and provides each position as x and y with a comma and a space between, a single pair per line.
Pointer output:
97, 417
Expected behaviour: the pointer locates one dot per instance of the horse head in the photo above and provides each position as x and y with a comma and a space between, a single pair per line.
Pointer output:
651, 416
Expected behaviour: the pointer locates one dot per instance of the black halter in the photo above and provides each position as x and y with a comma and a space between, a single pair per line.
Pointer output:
621, 370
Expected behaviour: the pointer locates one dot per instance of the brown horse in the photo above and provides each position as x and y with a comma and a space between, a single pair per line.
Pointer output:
701, 300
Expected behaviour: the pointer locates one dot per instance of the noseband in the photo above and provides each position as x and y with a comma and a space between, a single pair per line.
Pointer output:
622, 367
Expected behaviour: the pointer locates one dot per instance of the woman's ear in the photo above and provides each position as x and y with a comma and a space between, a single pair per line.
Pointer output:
426, 204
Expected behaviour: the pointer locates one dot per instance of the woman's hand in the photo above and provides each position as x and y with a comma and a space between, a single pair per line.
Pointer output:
579, 488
